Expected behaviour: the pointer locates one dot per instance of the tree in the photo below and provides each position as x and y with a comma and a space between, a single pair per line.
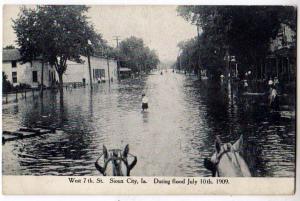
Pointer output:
58, 33
136, 56
28, 28
6, 85
243, 31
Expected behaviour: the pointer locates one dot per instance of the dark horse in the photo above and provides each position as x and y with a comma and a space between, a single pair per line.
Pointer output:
116, 162
226, 161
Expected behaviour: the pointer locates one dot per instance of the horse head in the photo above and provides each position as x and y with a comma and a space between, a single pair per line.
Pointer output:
115, 162
226, 161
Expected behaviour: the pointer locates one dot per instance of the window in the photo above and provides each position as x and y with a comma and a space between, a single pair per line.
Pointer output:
34, 76
13, 64
14, 77
97, 73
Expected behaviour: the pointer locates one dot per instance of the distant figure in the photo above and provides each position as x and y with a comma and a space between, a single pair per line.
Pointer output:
273, 98
144, 102
161, 73
276, 81
98, 80
222, 77
270, 82
245, 85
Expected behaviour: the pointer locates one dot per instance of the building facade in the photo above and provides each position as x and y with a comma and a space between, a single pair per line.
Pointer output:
281, 62
25, 73
100, 68
30, 73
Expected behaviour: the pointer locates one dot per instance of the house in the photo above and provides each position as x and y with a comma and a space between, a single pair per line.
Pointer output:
30, 73
25, 73
100, 68
281, 62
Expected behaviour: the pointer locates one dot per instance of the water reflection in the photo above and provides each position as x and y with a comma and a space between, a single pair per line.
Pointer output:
172, 138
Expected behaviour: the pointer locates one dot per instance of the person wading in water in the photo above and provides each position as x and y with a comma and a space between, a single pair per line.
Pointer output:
144, 102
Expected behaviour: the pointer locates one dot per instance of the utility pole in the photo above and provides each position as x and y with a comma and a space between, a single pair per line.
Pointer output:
227, 58
117, 39
89, 63
199, 62
108, 70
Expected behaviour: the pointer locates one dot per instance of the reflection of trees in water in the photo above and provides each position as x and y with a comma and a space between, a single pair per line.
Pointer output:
73, 143
226, 119
214, 98
254, 122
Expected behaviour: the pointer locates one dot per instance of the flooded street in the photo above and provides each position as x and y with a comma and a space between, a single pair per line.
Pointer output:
172, 138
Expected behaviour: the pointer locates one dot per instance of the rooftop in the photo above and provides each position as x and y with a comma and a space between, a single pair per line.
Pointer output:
11, 55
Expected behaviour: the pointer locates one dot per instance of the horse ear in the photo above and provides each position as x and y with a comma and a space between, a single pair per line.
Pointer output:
218, 144
105, 153
237, 146
126, 150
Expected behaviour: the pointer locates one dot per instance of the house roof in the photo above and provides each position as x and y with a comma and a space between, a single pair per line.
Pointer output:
11, 55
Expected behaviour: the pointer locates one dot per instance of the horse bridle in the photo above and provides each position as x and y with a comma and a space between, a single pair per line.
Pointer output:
113, 158
214, 168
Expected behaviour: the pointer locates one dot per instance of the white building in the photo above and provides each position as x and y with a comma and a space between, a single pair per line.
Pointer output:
27, 73
30, 73
100, 67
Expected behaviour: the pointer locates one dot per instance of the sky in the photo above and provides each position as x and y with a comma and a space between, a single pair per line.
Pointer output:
159, 26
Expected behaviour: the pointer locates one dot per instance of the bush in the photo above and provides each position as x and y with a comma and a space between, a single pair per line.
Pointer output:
6, 85
22, 86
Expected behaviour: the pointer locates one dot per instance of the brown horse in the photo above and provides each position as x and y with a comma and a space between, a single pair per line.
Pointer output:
116, 162
226, 161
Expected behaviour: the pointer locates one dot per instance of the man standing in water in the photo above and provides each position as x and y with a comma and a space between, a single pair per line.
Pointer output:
144, 102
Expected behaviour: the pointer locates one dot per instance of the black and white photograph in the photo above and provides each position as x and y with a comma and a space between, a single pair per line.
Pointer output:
149, 91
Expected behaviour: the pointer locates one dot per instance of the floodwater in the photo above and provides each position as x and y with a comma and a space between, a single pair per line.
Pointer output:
171, 139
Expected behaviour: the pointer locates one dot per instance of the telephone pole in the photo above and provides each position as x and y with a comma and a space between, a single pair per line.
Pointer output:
117, 39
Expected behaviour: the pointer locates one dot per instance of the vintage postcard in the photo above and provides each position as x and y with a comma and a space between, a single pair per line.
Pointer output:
149, 99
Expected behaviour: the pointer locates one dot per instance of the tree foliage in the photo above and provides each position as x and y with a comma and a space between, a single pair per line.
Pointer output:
6, 85
136, 56
245, 31
57, 33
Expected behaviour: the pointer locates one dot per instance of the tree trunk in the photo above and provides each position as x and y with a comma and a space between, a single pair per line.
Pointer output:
90, 71
42, 78
60, 85
108, 70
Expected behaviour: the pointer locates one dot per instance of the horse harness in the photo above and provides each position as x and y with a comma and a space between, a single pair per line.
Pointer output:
114, 156
219, 156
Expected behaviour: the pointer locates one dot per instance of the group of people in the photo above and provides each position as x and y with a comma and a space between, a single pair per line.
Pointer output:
271, 89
